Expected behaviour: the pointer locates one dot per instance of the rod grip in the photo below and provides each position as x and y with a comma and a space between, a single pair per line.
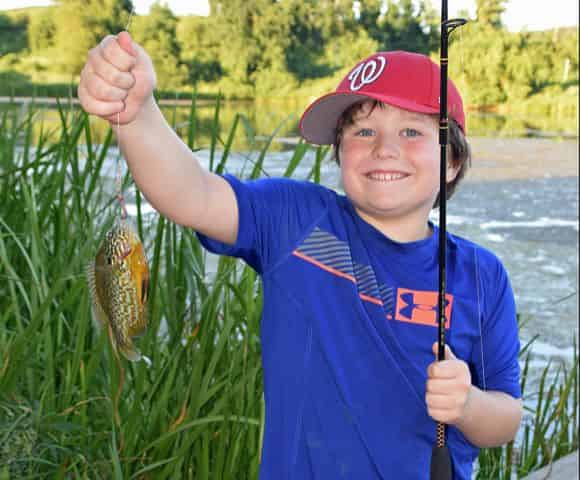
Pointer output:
441, 464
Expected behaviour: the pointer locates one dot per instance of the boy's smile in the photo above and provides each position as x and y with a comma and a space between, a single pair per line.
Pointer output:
385, 176
389, 161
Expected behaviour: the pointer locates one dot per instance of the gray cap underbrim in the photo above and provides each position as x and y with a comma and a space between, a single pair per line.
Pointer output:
319, 121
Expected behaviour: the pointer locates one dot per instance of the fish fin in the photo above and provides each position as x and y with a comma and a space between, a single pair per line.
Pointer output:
144, 290
140, 279
130, 353
140, 272
147, 360
100, 318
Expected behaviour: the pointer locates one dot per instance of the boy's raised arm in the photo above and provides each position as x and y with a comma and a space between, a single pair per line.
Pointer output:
117, 84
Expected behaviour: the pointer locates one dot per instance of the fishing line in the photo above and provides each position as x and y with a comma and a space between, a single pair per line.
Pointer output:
461, 52
118, 166
123, 215
480, 321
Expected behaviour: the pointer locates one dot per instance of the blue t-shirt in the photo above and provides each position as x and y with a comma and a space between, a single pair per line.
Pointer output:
348, 323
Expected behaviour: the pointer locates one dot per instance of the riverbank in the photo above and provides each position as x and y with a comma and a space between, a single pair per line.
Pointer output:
522, 158
566, 468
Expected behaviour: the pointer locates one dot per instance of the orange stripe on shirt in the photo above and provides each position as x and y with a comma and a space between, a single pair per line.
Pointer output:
338, 273
374, 300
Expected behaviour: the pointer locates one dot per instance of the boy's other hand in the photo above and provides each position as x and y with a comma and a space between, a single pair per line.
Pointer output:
448, 388
118, 78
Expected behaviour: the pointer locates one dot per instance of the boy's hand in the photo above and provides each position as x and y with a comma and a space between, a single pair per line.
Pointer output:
118, 78
448, 388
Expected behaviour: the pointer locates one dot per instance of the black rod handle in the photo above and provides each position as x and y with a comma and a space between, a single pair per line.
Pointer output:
441, 463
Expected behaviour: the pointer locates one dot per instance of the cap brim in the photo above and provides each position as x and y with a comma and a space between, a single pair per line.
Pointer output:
319, 121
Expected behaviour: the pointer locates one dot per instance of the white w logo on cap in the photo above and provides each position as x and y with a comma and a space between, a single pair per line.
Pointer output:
367, 73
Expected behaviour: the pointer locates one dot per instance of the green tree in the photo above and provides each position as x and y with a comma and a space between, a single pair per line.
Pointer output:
480, 82
199, 48
12, 33
403, 29
306, 39
41, 29
156, 33
343, 51
81, 24
369, 17
272, 32
401, 25
346, 40
238, 50
430, 21
489, 12
280, 43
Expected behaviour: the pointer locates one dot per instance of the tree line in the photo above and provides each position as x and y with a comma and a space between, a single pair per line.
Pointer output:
252, 48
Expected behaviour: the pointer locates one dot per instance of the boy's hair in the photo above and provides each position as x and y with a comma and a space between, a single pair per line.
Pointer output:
460, 151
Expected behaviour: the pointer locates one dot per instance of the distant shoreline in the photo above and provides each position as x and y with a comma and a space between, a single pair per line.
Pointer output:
75, 101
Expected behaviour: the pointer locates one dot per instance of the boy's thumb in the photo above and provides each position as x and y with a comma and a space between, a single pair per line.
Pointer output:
126, 43
449, 355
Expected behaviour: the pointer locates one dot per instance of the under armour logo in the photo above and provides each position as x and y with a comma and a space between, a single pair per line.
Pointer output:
421, 307
367, 72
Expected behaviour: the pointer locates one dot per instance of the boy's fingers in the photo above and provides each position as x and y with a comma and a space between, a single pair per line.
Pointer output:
443, 369
441, 386
125, 42
112, 52
109, 73
98, 107
441, 402
101, 90
451, 368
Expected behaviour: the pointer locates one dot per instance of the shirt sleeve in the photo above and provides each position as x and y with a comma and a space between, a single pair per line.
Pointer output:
273, 215
497, 356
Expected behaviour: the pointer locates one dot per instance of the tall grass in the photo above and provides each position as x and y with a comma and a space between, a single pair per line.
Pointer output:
197, 411
549, 429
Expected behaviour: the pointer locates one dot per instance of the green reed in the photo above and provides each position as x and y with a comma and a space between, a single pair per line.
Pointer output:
549, 430
197, 411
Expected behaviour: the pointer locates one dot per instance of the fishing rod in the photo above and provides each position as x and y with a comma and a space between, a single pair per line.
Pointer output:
440, 458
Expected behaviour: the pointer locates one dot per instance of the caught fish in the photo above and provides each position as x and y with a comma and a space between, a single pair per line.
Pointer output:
118, 281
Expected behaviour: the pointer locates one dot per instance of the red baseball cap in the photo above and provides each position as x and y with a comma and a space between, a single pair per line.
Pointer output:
403, 79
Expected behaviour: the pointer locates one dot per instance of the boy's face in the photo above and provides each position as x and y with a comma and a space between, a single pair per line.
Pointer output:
389, 161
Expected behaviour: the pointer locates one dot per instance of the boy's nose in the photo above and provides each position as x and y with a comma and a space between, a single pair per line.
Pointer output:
386, 147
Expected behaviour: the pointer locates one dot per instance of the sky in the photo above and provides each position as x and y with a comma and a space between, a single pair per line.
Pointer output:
529, 14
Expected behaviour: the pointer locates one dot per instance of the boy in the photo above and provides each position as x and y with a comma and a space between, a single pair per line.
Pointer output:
350, 282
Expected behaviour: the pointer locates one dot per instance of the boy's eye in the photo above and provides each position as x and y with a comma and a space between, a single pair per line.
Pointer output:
364, 132
410, 132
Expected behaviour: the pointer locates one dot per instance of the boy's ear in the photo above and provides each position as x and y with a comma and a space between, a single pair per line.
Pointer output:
452, 171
